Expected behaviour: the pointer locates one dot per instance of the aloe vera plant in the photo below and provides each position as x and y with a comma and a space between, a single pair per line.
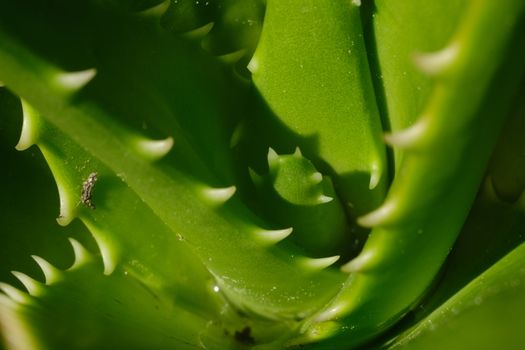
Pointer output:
266, 174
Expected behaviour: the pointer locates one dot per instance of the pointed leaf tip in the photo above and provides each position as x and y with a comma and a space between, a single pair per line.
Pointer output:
273, 158
219, 195
436, 63
156, 11
409, 138
199, 33
232, 57
237, 135
332, 312
68, 201
325, 199
51, 273
270, 237
14, 293
30, 127
319, 263
73, 81
381, 216
82, 256
256, 178
154, 149
375, 176
33, 287
253, 65
359, 263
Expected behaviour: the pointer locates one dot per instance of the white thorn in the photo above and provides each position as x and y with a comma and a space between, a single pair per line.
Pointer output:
82, 256
73, 81
273, 158
236, 135
200, 32
14, 293
219, 195
157, 10
319, 263
256, 178
154, 149
30, 127
317, 177
67, 203
232, 57
375, 176
273, 236
68, 199
324, 199
409, 138
33, 286
253, 65
330, 314
6, 301
436, 62
297, 153
356, 2
51, 273
109, 250
378, 217
359, 263
108, 259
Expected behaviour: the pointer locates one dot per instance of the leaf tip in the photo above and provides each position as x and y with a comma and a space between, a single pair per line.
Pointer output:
51, 273
270, 237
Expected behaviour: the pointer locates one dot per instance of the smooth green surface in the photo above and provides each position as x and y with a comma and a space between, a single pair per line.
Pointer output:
488, 310
321, 90
202, 237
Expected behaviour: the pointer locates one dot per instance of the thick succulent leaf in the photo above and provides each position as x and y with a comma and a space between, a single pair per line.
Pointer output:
321, 91
488, 311
445, 154
149, 137
229, 240
110, 312
29, 202
120, 222
397, 33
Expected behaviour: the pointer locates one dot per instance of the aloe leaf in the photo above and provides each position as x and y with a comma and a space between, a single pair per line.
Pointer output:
321, 90
29, 199
431, 195
111, 311
231, 246
157, 137
296, 194
467, 320
118, 220
397, 33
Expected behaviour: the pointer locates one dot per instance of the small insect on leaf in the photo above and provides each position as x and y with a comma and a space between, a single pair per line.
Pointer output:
87, 191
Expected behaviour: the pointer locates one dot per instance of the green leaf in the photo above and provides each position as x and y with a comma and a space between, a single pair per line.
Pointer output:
488, 312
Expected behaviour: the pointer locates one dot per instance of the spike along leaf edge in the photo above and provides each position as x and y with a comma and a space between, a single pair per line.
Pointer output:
452, 68
51, 273
97, 136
